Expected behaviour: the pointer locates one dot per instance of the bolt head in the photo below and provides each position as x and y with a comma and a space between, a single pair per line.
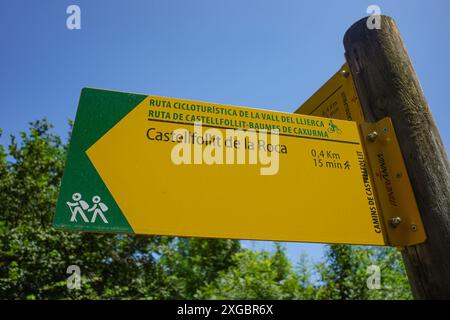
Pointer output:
372, 136
395, 221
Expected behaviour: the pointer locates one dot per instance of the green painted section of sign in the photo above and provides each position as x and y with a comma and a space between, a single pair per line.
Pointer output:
98, 111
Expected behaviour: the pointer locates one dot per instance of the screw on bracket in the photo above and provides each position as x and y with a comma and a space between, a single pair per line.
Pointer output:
413, 228
372, 136
345, 73
395, 221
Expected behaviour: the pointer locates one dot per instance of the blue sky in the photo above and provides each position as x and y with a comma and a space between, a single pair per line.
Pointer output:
262, 54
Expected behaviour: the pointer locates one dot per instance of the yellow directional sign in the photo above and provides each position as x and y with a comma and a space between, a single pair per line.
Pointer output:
163, 166
336, 99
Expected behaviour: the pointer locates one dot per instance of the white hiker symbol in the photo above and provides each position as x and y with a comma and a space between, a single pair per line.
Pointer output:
77, 207
103, 208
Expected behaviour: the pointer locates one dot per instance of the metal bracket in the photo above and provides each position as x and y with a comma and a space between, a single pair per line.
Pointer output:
402, 222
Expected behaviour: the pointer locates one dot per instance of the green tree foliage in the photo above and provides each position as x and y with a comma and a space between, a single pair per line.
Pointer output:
34, 257
189, 264
345, 272
260, 275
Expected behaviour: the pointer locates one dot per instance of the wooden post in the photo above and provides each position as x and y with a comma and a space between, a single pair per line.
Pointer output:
387, 85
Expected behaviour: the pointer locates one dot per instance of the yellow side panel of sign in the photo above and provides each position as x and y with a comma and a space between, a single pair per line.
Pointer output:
336, 99
320, 193
394, 190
